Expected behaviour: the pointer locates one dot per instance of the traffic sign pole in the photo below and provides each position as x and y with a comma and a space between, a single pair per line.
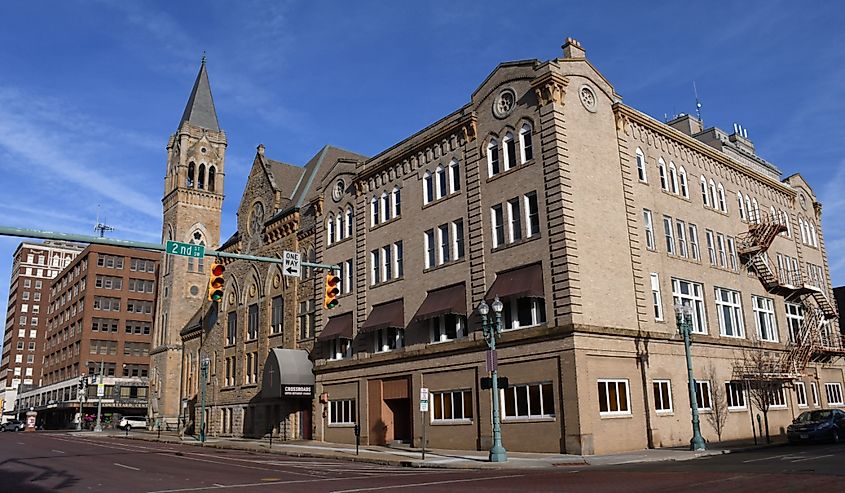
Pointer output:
424, 411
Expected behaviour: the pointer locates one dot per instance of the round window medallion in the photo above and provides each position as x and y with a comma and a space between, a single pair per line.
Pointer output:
252, 290
803, 200
231, 298
202, 150
504, 103
195, 290
338, 190
588, 98
276, 281
256, 218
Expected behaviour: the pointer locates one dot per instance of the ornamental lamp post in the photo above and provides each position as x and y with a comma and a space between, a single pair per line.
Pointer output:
683, 316
491, 330
204, 374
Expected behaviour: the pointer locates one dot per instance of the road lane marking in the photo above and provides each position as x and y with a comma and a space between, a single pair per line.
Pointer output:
814, 458
57, 451
430, 483
767, 458
126, 467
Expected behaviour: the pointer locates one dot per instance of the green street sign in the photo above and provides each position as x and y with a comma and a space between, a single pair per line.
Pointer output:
185, 249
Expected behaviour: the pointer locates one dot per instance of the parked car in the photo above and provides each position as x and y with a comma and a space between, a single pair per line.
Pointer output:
820, 425
129, 422
13, 425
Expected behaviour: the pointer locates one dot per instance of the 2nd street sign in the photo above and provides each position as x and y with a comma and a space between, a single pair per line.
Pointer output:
185, 249
293, 265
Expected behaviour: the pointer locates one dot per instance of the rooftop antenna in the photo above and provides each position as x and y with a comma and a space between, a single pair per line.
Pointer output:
101, 227
697, 104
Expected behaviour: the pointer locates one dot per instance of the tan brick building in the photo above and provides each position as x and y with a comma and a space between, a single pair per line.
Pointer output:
587, 218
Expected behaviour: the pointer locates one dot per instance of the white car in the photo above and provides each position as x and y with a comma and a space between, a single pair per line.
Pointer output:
129, 422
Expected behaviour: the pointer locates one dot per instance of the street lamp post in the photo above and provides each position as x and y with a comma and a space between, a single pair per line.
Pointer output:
491, 330
100, 381
683, 316
204, 375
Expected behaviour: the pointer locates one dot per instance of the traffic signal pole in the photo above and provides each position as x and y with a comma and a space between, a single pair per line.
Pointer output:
51, 235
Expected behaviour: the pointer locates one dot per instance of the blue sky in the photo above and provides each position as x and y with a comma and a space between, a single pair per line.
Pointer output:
90, 91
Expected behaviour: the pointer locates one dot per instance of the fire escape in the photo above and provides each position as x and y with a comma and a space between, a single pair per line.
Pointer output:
815, 340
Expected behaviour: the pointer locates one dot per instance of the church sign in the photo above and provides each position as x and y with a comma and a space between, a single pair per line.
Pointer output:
297, 390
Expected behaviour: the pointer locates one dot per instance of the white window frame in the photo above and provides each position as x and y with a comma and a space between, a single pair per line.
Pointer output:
764, 311
673, 178
618, 404
723, 204
669, 234
732, 256
778, 400
544, 414
443, 253
814, 391
711, 246
438, 330
342, 412
741, 207
684, 182
833, 393
733, 397
648, 221
656, 299
430, 250
695, 253
801, 394
438, 407
531, 212
526, 130
661, 171
794, 319
733, 305
514, 220
440, 183
642, 174
722, 251
497, 224
505, 154
458, 245
492, 145
428, 188
658, 386
695, 299
454, 176
703, 399
705, 195
681, 231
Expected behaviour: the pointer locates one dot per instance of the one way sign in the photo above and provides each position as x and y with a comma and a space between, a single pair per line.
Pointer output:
292, 265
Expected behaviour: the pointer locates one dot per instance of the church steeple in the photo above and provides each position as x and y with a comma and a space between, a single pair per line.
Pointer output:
200, 108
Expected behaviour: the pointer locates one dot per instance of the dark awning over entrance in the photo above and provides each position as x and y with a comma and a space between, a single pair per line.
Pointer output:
443, 301
523, 282
339, 327
390, 314
287, 373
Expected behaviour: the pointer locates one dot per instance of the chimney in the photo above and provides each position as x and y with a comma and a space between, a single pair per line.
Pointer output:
260, 149
572, 49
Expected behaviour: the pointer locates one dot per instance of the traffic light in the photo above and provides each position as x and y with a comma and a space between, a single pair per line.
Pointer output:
332, 290
215, 281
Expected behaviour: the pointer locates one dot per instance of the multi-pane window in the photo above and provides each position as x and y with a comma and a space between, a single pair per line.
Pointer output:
691, 294
347, 271
447, 327
440, 180
307, 319
342, 412
454, 176
641, 171
383, 208
661, 168
340, 348
693, 242
510, 151
649, 229
458, 238
814, 391
387, 263
231, 328
514, 220
655, 296
508, 222
614, 397
720, 245
735, 395
250, 368
430, 251
729, 311
794, 320
682, 238
277, 316
662, 396
532, 223
800, 394
388, 339
532, 401
443, 243
711, 248
734, 263
833, 391
455, 405
497, 217
493, 165
252, 322
670, 235
702, 395
523, 312
778, 398
764, 318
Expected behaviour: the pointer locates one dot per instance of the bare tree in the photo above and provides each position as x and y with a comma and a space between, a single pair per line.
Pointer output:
760, 369
718, 415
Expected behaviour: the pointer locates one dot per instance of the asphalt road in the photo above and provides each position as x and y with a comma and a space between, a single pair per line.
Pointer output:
42, 462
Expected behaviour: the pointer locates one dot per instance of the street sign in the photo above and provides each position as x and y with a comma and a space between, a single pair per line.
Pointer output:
185, 249
492, 360
424, 400
293, 264
101, 389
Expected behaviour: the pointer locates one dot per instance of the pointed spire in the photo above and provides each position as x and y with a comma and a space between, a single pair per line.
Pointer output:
200, 108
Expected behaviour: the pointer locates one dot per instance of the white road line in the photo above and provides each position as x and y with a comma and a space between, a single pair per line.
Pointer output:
767, 458
430, 483
57, 451
814, 458
126, 467
251, 485
218, 485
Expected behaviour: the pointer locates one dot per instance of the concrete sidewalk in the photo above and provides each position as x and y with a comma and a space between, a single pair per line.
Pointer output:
406, 456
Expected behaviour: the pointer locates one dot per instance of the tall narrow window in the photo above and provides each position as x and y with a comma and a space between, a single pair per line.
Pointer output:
429, 249
764, 317
493, 158
691, 294
514, 220
533, 223
705, 197
212, 175
440, 175
756, 209
497, 219
374, 206
682, 238
190, 181
641, 171
720, 245
349, 223
329, 229
714, 201
510, 152
384, 208
649, 229
661, 169
682, 178
387, 263
398, 259
443, 242
734, 264
201, 178
794, 321
454, 176
711, 247
428, 187
458, 238
693, 242
375, 266
655, 297
673, 178
525, 143
252, 325
723, 204
670, 237
741, 206
729, 312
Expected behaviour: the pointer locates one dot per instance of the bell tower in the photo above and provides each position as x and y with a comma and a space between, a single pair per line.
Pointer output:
192, 203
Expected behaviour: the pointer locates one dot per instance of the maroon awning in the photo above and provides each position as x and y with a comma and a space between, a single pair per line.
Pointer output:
390, 314
444, 301
339, 327
522, 282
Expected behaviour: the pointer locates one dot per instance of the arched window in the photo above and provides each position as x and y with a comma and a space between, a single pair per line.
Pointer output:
396, 197
510, 151
661, 168
723, 204
641, 172
201, 177
440, 175
682, 178
385, 207
714, 201
330, 229
525, 143
756, 209
374, 206
673, 178
749, 210
803, 230
211, 175
428, 185
814, 239
190, 181
338, 227
493, 158
705, 196
454, 176
197, 239
349, 223
784, 219
741, 206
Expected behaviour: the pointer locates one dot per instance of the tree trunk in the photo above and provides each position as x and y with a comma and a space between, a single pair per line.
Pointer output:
766, 424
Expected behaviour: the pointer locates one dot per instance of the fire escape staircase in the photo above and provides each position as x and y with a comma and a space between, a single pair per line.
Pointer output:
815, 340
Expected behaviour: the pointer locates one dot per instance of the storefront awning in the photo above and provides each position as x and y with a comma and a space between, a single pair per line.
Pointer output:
390, 314
443, 301
339, 327
522, 282
287, 373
